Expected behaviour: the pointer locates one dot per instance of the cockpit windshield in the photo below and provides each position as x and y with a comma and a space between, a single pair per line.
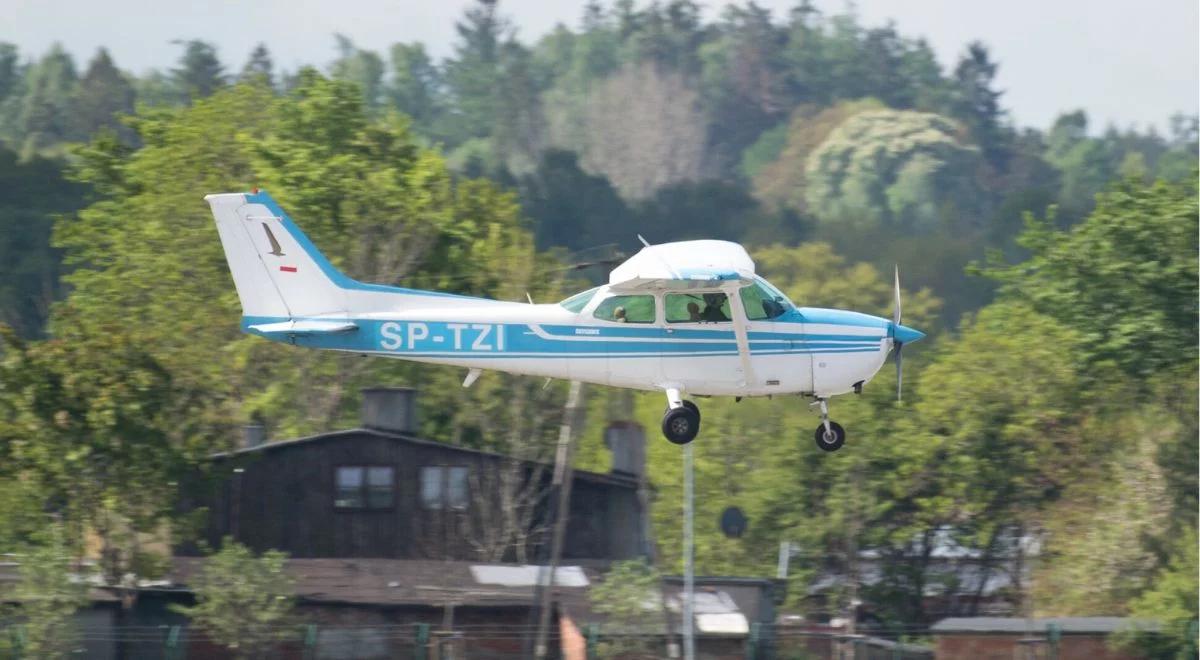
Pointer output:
577, 302
763, 301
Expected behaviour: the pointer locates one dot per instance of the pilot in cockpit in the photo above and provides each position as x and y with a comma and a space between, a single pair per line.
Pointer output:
712, 308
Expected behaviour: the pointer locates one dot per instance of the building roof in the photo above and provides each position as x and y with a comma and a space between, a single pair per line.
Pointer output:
396, 582
1067, 625
621, 479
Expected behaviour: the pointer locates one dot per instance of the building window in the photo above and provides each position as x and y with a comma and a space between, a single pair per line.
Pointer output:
444, 487
364, 487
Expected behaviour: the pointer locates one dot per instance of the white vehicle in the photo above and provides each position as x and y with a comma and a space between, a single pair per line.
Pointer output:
685, 318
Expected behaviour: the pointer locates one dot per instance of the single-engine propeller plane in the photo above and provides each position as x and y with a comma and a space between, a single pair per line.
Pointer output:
683, 318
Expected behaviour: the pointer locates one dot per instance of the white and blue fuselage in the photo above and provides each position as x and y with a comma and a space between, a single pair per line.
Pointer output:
291, 293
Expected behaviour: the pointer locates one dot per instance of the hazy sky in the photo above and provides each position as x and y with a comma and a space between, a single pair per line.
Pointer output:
1129, 63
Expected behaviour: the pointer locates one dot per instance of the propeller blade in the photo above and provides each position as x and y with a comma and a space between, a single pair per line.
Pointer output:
896, 310
899, 369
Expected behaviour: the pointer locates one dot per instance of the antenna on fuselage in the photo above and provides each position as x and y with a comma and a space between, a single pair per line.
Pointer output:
643, 240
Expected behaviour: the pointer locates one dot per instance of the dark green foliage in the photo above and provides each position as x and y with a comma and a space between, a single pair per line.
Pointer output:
571, 208
32, 195
45, 116
103, 95
361, 67
259, 68
976, 103
200, 72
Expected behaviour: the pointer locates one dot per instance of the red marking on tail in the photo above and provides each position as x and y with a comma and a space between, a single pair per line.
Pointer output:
288, 269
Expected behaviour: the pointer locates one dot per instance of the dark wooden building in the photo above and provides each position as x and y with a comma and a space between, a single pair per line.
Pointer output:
380, 491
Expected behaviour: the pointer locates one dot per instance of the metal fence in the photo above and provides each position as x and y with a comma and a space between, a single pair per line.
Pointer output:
479, 642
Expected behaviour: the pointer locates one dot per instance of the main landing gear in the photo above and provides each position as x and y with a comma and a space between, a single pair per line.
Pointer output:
681, 421
830, 435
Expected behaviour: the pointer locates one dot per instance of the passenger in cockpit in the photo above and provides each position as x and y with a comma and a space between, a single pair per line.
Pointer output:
712, 308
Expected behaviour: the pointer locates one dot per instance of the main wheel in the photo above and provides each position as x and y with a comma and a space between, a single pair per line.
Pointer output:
680, 425
834, 439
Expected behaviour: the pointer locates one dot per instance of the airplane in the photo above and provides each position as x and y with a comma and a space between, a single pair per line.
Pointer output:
682, 318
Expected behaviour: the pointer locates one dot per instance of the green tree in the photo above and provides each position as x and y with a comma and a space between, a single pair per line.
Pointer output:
200, 72
630, 597
1125, 277
361, 67
259, 67
103, 94
472, 73
32, 194
243, 601
97, 423
892, 168
45, 119
977, 104
48, 593
415, 85
1171, 602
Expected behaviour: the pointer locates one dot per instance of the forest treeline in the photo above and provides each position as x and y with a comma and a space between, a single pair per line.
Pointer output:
1054, 407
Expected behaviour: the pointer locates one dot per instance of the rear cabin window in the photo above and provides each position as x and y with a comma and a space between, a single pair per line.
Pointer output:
697, 308
626, 309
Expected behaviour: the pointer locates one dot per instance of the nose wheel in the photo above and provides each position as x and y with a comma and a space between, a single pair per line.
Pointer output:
681, 423
830, 435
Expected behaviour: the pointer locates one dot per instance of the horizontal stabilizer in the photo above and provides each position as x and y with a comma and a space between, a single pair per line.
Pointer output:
305, 327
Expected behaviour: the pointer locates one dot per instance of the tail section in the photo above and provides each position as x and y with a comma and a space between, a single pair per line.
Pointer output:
278, 272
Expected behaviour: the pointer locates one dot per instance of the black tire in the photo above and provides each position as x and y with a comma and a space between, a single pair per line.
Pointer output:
681, 425
834, 444
686, 404
693, 407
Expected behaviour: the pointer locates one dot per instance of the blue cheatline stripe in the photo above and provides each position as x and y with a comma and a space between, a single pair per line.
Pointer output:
336, 276
514, 340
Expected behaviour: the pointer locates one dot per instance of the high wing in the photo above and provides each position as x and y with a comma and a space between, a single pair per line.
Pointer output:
683, 265
688, 265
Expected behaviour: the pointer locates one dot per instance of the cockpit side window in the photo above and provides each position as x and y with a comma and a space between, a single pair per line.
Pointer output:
697, 308
626, 309
763, 303
577, 302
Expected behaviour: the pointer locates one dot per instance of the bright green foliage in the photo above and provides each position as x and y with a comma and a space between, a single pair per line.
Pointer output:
782, 181
1125, 277
814, 275
630, 599
96, 423
381, 208
242, 601
1172, 602
47, 595
901, 169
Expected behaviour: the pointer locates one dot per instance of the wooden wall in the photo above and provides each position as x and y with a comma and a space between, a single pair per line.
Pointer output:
284, 499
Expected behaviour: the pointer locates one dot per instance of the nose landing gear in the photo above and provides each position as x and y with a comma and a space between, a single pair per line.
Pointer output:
830, 435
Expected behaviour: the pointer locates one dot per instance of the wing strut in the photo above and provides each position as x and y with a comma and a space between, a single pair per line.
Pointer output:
739, 333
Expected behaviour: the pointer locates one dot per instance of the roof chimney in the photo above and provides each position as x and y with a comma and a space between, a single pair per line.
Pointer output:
391, 409
627, 442
253, 435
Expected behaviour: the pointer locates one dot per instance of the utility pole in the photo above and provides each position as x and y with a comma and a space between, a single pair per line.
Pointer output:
561, 484
689, 548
